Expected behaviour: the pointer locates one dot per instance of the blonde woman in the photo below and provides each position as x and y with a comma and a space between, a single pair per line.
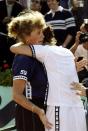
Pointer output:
29, 75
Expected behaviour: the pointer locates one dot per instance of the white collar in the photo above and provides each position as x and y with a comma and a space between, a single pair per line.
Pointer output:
60, 8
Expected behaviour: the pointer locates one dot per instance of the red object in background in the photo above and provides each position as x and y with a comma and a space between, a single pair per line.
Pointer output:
5, 66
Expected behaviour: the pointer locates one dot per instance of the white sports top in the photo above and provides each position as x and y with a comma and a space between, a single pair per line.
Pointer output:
61, 71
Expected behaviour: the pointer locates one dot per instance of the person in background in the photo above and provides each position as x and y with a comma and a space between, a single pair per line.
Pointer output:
81, 49
8, 9
78, 11
62, 22
61, 98
6, 57
35, 5
44, 8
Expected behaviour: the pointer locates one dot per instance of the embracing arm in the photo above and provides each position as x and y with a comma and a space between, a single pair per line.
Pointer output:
20, 48
39, 51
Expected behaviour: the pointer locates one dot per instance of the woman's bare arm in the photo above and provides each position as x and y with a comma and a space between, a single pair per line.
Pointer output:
18, 97
76, 44
20, 48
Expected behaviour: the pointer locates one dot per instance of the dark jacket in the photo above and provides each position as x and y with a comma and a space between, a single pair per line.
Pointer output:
17, 8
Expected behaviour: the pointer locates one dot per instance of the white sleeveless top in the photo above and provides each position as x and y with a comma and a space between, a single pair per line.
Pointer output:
61, 71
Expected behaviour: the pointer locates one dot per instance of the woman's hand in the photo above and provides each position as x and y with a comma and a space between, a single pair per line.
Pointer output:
40, 112
44, 119
81, 64
81, 90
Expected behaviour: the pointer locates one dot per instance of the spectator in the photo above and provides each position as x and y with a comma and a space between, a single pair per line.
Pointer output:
44, 8
35, 5
62, 22
8, 9
82, 52
78, 12
6, 57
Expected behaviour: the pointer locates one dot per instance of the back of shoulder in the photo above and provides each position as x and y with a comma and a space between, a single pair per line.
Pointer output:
64, 51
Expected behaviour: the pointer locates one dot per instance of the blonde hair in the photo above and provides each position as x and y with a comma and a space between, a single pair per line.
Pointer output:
24, 24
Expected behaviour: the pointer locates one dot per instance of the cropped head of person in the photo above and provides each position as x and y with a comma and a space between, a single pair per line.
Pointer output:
35, 5
53, 4
27, 28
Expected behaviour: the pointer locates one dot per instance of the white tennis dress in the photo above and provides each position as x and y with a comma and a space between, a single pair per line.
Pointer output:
65, 109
